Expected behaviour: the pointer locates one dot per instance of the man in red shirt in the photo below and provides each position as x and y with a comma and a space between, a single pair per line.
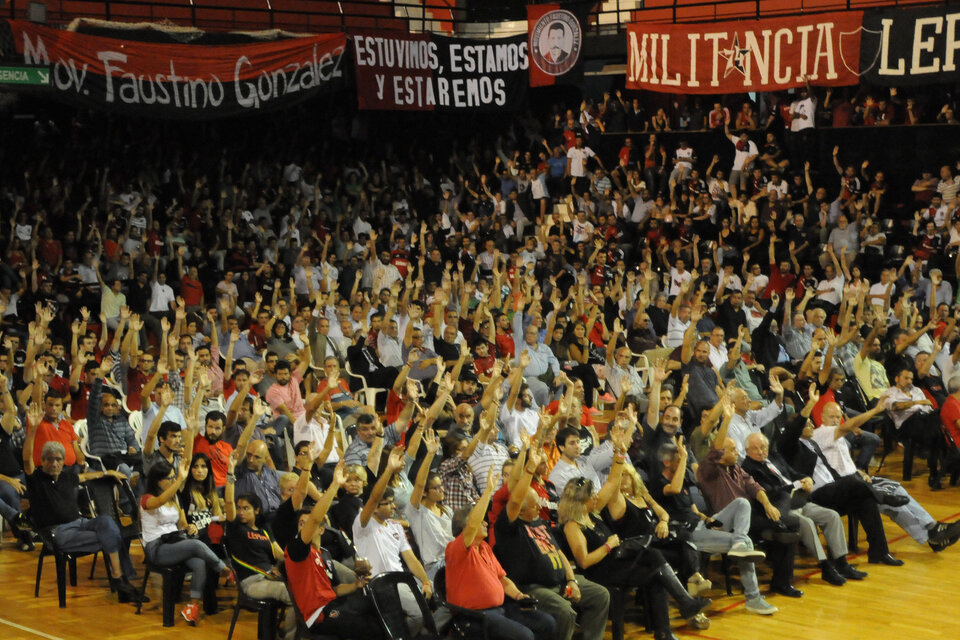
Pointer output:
215, 448
54, 427
781, 277
950, 417
476, 581
328, 607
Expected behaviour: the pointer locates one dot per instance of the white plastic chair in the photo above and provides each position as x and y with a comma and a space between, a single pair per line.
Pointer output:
136, 423
80, 428
366, 395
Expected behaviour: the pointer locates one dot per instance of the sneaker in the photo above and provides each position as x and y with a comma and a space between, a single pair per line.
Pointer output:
761, 606
191, 614
746, 551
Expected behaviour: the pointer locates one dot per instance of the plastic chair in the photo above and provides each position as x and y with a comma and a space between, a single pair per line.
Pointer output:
268, 610
303, 631
80, 428
465, 624
173, 578
136, 423
65, 561
386, 599
366, 394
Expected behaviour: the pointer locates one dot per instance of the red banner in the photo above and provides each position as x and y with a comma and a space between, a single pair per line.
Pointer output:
181, 80
749, 55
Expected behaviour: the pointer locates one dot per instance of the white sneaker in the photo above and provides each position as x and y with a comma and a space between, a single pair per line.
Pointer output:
761, 606
744, 550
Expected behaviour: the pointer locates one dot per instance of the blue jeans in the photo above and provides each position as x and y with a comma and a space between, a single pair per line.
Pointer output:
9, 500
193, 553
87, 535
735, 518
510, 622
868, 444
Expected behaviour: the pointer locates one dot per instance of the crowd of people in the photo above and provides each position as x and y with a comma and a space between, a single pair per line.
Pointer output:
861, 106
528, 375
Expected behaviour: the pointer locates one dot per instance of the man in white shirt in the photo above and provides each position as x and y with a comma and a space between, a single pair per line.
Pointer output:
908, 513
745, 153
746, 421
679, 277
388, 344
576, 170
915, 419
683, 159
315, 429
571, 464
382, 540
718, 350
162, 301
582, 228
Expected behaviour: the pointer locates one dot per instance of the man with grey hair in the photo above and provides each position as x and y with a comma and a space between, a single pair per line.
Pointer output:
52, 491
790, 490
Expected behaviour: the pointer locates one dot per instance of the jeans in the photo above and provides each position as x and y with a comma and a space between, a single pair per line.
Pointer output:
193, 553
591, 609
735, 518
87, 535
911, 517
510, 622
868, 443
9, 500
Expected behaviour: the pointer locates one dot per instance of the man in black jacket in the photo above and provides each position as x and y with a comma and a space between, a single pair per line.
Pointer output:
790, 490
843, 494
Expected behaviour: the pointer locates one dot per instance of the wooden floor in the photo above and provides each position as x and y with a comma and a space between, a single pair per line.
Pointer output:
918, 601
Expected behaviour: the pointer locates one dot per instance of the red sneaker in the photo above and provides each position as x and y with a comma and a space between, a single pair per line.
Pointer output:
191, 614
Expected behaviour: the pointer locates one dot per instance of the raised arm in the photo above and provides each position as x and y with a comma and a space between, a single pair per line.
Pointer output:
432, 443
394, 464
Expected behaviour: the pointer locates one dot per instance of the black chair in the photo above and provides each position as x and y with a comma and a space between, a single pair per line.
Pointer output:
303, 631
65, 561
103, 497
96, 497
172, 586
618, 610
268, 611
386, 599
465, 624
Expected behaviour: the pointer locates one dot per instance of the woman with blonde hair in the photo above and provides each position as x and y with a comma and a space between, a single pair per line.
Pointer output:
643, 516
595, 549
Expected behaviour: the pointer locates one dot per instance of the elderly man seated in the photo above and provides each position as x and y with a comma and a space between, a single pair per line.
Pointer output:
790, 491
254, 476
52, 491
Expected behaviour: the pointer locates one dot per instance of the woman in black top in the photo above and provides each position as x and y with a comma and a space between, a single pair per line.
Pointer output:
254, 554
198, 498
644, 517
594, 548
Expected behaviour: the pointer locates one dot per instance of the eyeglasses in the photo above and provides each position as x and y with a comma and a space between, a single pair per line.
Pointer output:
580, 482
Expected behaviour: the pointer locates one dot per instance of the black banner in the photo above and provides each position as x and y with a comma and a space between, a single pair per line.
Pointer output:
900, 47
421, 72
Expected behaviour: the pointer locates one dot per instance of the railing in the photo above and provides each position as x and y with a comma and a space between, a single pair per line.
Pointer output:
445, 16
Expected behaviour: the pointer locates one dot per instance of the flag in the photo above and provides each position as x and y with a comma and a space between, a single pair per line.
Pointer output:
555, 35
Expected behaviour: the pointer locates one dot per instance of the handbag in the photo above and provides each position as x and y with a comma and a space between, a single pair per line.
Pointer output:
174, 536
632, 548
